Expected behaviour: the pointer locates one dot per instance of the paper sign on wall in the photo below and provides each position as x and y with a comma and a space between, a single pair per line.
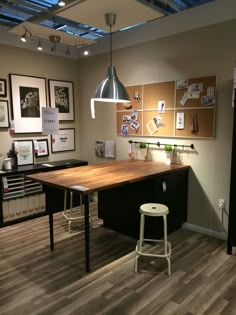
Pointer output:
50, 121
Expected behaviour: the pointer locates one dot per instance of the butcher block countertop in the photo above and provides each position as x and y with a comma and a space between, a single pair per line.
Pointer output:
90, 178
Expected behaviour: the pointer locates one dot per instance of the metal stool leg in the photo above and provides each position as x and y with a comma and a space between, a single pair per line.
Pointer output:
165, 244
140, 241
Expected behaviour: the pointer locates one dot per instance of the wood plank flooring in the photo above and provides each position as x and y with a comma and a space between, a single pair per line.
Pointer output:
34, 280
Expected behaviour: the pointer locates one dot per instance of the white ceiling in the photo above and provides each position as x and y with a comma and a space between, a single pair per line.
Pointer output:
128, 12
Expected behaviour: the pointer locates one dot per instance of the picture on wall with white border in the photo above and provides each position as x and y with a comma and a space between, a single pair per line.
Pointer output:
181, 84
126, 119
207, 100
124, 130
151, 127
134, 114
161, 106
158, 121
134, 125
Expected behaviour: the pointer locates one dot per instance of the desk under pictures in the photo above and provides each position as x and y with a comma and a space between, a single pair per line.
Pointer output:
122, 186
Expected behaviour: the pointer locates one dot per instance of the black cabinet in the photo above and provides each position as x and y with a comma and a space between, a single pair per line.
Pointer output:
23, 199
119, 207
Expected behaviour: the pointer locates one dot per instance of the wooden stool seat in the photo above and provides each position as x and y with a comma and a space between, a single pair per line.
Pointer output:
153, 210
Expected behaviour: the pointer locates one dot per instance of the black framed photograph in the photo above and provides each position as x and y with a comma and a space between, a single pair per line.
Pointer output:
28, 96
24, 152
41, 147
4, 114
63, 141
61, 96
3, 87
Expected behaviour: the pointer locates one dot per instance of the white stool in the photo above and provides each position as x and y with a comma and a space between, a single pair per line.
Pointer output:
73, 213
153, 210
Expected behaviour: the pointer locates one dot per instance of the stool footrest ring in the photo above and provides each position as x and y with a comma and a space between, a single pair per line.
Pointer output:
141, 253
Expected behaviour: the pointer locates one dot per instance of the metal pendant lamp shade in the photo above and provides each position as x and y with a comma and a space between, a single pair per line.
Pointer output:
110, 89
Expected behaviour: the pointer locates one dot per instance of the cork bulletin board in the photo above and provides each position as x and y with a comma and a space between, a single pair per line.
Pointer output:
182, 108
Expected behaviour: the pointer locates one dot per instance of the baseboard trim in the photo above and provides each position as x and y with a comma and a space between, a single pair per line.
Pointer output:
202, 230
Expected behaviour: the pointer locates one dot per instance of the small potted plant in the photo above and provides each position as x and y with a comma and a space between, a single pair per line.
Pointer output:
142, 145
144, 151
168, 149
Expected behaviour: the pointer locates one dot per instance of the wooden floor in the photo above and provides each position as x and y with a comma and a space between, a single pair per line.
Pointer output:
34, 280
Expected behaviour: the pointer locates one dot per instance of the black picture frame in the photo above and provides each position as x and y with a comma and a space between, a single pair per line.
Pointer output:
41, 147
63, 141
28, 96
61, 96
24, 151
4, 114
3, 87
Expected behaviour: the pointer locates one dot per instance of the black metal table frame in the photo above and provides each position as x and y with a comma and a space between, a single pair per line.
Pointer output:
86, 229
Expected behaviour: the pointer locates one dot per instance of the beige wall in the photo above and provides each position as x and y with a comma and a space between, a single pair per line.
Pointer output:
206, 51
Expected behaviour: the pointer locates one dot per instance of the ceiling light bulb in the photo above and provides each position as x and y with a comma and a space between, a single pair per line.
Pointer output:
40, 47
61, 3
85, 52
23, 38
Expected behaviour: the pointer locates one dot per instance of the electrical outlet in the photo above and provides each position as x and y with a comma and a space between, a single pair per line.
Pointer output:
221, 203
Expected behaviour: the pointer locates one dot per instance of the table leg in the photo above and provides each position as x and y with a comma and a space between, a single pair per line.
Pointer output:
87, 237
51, 229
229, 248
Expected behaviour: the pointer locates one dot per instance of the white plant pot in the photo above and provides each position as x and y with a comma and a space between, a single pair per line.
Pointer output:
168, 157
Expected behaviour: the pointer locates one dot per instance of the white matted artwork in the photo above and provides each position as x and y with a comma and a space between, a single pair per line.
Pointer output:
24, 152
28, 95
63, 141
41, 147
4, 116
180, 121
61, 96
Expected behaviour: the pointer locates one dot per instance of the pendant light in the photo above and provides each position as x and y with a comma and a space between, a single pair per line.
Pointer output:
110, 89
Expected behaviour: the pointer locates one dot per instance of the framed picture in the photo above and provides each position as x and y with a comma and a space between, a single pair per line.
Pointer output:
24, 152
4, 114
61, 95
3, 87
41, 147
64, 141
28, 96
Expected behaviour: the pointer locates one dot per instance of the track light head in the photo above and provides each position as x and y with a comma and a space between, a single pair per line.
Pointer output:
68, 51
85, 52
61, 3
25, 36
39, 47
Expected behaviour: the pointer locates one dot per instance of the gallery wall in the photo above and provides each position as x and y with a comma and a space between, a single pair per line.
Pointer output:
30, 63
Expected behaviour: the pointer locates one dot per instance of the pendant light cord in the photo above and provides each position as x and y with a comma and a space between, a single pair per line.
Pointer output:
110, 46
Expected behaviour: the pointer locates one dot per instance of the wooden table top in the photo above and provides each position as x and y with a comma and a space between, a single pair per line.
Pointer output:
92, 178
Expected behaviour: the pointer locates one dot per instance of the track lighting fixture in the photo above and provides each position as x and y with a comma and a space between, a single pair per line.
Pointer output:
68, 51
110, 89
25, 35
55, 39
61, 3
85, 52
39, 47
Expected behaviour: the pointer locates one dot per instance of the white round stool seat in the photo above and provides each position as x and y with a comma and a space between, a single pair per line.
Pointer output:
154, 209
